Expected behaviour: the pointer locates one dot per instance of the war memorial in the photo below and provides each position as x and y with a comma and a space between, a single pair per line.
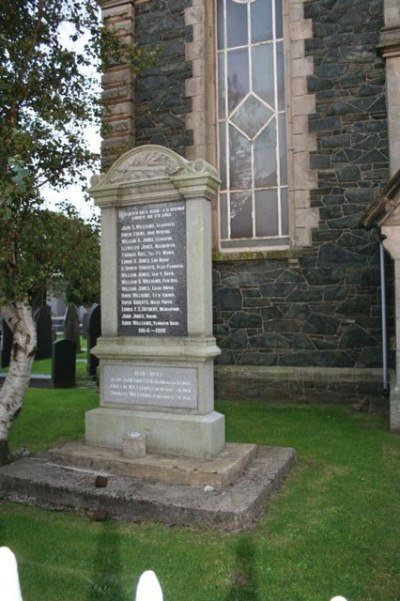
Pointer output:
155, 447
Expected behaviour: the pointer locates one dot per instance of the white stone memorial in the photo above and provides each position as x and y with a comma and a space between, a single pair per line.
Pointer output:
156, 351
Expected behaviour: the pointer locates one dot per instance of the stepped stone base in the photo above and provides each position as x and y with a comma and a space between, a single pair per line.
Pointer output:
229, 492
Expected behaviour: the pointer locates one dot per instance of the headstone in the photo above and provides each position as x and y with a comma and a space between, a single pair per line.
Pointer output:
157, 348
44, 332
6, 344
93, 333
72, 326
63, 365
84, 318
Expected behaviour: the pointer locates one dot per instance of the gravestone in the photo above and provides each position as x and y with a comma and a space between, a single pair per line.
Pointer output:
6, 344
156, 350
85, 316
63, 365
44, 330
72, 326
93, 333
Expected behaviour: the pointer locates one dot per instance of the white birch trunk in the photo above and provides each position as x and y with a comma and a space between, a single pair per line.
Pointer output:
20, 320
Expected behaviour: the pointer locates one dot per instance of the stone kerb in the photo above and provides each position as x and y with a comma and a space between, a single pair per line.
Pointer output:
156, 350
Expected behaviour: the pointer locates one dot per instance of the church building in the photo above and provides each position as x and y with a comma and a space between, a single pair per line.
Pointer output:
297, 104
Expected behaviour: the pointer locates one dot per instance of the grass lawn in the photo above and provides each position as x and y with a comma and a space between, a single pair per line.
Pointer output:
334, 528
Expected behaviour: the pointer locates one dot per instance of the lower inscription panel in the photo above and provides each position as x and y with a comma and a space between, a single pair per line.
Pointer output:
170, 387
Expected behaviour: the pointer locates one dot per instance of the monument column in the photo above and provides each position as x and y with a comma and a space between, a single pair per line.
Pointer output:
156, 351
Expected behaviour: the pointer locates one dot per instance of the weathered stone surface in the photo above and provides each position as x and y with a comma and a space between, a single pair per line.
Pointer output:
160, 91
228, 299
322, 324
356, 337
245, 320
236, 503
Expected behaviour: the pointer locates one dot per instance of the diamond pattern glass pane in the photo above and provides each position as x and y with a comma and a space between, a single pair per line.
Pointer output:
251, 116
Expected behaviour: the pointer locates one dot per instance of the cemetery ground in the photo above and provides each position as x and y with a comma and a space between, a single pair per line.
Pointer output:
43, 366
333, 528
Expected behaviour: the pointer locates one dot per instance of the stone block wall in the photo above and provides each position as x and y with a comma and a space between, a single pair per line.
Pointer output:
161, 104
313, 310
321, 306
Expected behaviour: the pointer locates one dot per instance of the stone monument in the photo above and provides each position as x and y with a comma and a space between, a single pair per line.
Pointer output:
156, 349
155, 447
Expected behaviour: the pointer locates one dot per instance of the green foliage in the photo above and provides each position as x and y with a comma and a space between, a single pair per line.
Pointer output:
333, 528
48, 49
57, 249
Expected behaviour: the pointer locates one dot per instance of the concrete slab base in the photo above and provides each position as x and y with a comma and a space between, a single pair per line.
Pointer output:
46, 481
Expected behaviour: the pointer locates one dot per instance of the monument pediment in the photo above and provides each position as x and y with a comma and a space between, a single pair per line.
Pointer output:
150, 163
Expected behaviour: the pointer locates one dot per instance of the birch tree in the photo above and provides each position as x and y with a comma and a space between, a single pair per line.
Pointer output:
46, 98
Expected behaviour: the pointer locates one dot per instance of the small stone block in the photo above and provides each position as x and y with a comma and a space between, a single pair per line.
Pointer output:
134, 445
101, 482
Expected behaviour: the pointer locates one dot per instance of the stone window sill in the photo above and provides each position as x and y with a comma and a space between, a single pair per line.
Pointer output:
259, 255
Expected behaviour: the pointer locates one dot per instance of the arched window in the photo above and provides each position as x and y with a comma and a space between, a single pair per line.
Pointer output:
253, 202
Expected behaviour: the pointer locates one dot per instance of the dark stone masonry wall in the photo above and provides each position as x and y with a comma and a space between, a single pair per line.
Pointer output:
319, 314
322, 306
161, 104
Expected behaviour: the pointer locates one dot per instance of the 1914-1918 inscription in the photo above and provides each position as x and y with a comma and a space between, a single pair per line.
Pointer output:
152, 270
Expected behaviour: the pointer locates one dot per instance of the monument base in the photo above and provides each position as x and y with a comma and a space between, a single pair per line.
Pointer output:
220, 471
68, 479
198, 436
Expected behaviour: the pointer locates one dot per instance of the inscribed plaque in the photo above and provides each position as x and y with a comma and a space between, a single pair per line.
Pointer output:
172, 387
152, 278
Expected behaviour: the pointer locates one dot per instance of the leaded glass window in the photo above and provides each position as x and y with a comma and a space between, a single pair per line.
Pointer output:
252, 124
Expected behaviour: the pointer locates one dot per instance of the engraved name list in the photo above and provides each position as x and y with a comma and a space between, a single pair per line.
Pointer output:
152, 270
